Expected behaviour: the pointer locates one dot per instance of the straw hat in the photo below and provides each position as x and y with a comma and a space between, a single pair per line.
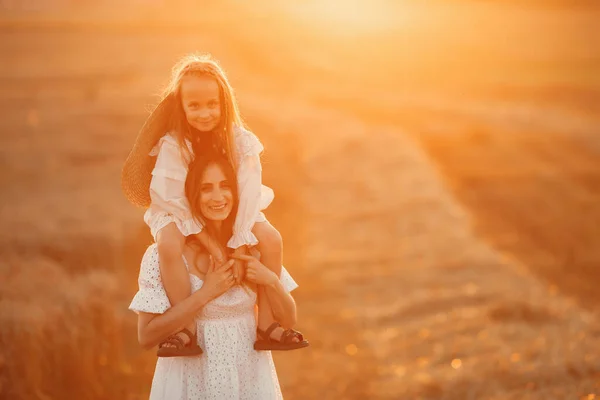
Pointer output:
137, 171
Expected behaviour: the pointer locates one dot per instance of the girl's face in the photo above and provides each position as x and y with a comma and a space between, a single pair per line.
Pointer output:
216, 197
201, 102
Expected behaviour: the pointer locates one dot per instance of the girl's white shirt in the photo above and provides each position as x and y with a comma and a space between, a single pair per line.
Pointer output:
167, 189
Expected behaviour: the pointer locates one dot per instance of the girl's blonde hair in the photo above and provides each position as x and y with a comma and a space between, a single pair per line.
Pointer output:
204, 65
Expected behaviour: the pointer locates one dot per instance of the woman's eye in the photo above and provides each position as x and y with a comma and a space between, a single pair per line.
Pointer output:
205, 189
213, 103
193, 106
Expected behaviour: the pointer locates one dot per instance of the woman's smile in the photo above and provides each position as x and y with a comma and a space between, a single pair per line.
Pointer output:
216, 197
219, 207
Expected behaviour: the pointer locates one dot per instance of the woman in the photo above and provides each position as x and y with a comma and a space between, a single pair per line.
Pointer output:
225, 313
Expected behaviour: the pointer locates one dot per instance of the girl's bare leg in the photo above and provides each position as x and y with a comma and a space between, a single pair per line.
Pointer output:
173, 273
270, 246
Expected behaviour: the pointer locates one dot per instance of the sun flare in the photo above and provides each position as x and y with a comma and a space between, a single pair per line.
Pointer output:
342, 16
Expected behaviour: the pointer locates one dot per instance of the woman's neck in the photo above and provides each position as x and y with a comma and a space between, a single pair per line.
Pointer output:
217, 225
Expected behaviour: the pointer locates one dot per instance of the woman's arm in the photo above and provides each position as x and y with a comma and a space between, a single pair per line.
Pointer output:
154, 328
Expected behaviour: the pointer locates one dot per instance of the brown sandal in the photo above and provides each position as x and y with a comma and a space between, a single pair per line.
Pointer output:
181, 349
284, 343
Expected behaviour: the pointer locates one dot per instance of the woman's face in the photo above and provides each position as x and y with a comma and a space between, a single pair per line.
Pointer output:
201, 102
216, 196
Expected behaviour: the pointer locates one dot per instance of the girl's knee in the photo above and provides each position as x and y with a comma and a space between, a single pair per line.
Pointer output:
270, 239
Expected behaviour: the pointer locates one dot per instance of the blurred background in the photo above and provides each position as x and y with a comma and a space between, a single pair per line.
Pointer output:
437, 175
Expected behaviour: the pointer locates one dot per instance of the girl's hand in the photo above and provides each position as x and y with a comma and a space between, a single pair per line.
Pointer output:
218, 279
219, 255
257, 272
239, 269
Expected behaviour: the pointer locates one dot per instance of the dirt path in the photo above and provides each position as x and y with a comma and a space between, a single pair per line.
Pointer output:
401, 299
526, 168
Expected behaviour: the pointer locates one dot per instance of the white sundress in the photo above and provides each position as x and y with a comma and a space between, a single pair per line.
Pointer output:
229, 368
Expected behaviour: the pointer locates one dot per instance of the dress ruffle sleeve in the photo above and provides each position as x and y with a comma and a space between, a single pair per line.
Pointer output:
151, 296
253, 195
287, 281
167, 190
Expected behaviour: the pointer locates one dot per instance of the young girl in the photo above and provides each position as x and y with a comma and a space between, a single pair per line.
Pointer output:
199, 113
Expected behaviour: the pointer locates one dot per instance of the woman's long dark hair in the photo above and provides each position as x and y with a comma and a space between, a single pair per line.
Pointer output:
193, 185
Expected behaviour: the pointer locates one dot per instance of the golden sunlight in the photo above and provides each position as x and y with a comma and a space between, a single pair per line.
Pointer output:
344, 16
436, 172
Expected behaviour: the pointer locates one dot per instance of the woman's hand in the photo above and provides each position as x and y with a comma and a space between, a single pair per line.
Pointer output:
257, 272
218, 279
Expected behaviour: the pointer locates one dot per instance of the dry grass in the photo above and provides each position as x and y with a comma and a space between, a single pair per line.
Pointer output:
438, 199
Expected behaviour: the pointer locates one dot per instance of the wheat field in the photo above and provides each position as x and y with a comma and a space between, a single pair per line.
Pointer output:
437, 177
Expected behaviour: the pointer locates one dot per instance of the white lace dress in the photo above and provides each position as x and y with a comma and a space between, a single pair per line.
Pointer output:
229, 368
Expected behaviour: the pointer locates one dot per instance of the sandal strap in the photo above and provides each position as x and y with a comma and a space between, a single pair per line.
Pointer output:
174, 340
298, 334
271, 328
191, 337
289, 334
266, 335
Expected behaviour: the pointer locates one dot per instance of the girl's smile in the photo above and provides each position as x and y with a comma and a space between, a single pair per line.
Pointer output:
200, 98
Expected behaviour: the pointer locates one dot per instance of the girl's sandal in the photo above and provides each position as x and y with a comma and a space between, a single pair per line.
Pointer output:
181, 349
265, 342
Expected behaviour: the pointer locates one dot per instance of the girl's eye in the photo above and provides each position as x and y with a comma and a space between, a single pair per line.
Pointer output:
213, 103
226, 185
205, 189
193, 106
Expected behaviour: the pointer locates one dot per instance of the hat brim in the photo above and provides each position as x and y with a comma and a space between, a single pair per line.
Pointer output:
137, 170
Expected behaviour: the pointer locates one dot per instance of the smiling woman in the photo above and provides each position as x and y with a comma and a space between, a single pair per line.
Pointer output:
216, 192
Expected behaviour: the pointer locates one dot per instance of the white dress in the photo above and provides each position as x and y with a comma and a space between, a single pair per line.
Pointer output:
167, 189
229, 368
